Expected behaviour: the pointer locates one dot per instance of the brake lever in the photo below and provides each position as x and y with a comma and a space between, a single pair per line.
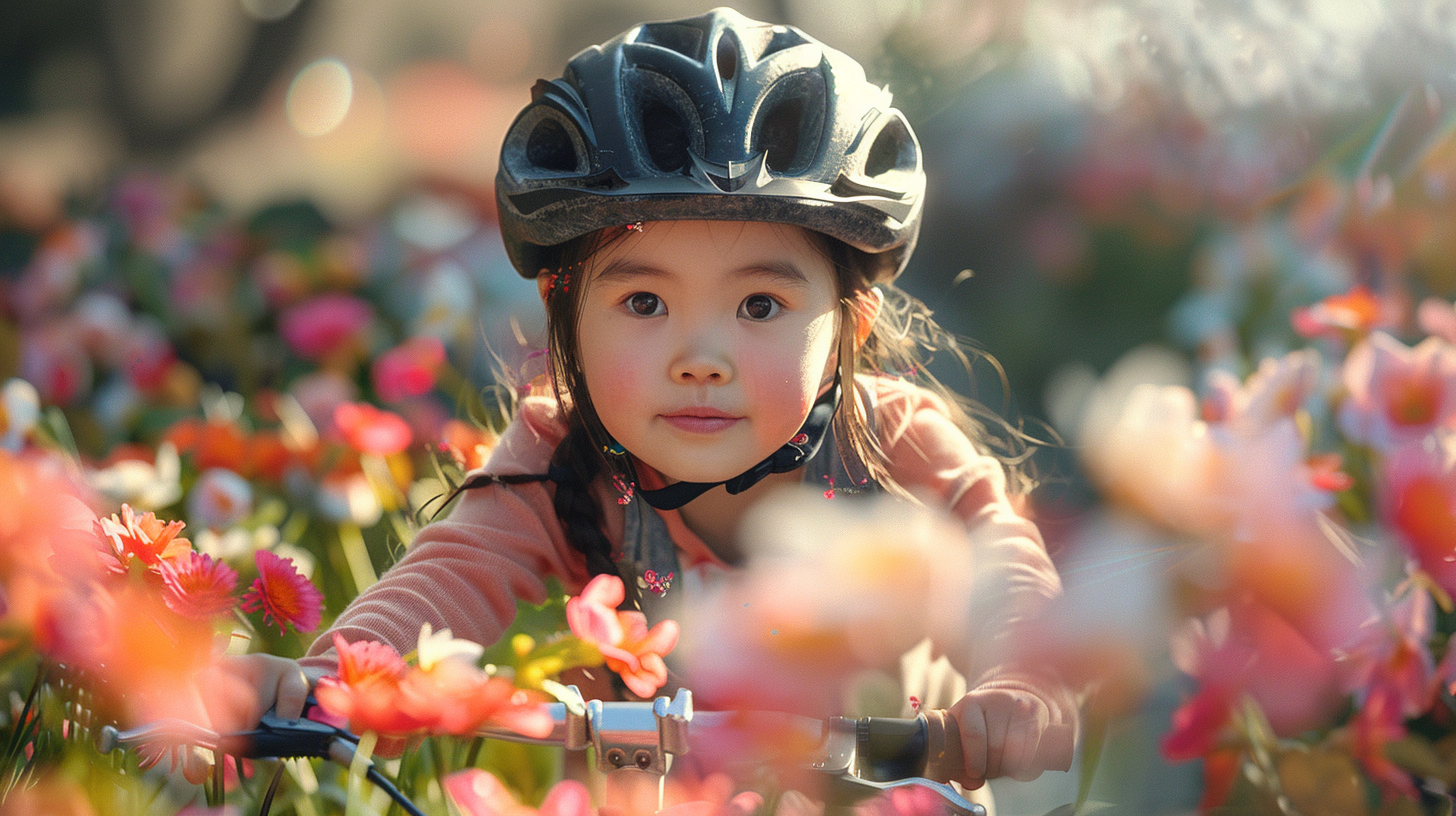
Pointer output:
272, 737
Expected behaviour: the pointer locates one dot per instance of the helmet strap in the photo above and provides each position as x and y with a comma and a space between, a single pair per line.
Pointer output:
791, 456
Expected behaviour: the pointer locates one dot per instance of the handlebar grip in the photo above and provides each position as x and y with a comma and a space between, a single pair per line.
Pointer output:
945, 757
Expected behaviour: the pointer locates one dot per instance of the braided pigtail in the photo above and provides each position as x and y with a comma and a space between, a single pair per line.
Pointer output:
575, 466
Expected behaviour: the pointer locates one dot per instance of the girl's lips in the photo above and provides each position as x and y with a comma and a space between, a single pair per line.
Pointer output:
704, 423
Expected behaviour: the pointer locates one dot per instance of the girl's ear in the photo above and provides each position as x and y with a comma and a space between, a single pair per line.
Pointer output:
544, 281
867, 303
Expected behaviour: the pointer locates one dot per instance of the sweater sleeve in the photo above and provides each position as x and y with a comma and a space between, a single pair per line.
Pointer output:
466, 572
934, 460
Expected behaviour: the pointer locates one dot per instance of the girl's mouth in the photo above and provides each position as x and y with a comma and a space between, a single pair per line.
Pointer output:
700, 420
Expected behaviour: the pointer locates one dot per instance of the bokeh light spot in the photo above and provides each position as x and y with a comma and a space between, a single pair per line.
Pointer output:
319, 97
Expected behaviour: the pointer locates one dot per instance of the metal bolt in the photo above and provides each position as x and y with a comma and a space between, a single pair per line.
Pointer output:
617, 757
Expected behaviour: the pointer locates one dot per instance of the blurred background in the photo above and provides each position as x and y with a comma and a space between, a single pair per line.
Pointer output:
1104, 175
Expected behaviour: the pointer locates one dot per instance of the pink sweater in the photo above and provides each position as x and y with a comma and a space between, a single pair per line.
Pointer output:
467, 571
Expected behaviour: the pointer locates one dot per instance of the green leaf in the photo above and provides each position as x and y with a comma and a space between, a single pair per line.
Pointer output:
1094, 739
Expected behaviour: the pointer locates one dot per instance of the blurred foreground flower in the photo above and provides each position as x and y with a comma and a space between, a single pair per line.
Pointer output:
830, 591
480, 793
375, 690
1319, 519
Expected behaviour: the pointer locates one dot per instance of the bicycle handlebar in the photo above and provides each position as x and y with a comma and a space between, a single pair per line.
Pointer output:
859, 758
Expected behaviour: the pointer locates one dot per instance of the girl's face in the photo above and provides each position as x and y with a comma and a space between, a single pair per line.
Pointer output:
705, 343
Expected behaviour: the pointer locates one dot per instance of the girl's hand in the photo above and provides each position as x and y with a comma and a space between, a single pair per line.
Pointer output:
1002, 733
278, 683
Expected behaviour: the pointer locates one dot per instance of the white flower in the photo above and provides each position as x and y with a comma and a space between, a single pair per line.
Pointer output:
145, 486
435, 647
19, 412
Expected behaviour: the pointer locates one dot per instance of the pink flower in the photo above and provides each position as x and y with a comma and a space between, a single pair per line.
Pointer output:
623, 638
1275, 391
478, 793
914, 801
1396, 656
52, 359
1249, 650
1418, 499
285, 596
408, 370
324, 325
1438, 319
371, 430
1398, 394
198, 586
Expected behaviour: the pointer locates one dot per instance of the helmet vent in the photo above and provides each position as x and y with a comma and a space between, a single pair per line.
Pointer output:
791, 121
893, 149
780, 135
549, 147
727, 58
688, 40
782, 38
666, 135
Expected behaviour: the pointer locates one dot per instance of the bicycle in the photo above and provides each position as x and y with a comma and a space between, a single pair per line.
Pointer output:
855, 758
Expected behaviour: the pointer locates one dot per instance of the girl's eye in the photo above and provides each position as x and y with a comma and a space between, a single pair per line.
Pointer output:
645, 304
759, 307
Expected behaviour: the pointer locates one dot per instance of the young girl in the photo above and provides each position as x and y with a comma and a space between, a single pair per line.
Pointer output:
714, 210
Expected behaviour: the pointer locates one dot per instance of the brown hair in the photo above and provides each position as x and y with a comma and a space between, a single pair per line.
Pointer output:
900, 344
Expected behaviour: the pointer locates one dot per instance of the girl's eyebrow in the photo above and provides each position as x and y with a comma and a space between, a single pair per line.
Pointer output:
782, 272
621, 270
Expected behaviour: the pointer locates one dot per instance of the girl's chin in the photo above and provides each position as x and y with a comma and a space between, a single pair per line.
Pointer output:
696, 472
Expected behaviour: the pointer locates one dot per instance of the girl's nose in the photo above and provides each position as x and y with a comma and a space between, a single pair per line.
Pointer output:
701, 367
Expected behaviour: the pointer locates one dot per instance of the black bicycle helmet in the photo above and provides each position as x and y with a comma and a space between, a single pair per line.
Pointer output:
717, 117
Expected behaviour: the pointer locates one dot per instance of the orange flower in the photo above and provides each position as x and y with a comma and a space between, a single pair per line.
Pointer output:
285, 596
143, 536
1355, 312
212, 444
367, 661
630, 648
467, 444
376, 691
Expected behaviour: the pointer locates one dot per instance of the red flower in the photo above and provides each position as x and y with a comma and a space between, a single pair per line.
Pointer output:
631, 650
1377, 724
198, 586
370, 430
142, 536
284, 595
408, 370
